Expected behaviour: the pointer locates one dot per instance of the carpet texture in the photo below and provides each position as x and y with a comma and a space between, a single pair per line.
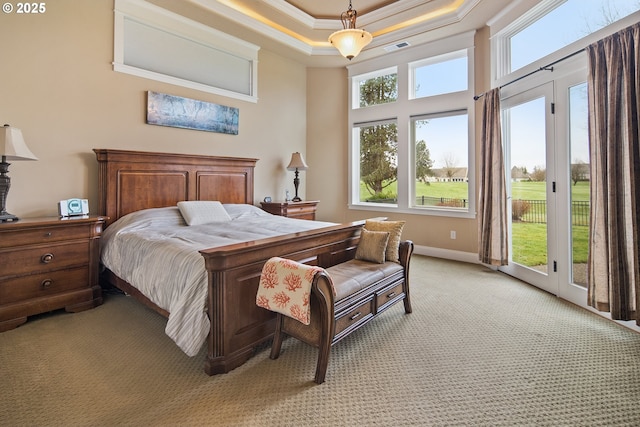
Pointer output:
479, 349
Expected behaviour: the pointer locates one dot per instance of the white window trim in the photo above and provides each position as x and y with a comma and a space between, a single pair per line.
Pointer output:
156, 17
401, 111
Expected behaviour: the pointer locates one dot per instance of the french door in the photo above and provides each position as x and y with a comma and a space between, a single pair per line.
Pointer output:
530, 165
547, 164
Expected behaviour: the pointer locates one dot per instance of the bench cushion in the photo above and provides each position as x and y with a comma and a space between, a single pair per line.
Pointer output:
354, 275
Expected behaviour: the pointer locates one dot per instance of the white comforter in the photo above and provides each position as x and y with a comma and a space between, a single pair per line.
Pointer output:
156, 252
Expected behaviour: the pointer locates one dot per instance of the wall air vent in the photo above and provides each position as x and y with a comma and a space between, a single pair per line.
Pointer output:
396, 46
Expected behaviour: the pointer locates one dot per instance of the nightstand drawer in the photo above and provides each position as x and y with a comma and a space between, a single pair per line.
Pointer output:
12, 238
40, 285
297, 210
300, 210
41, 258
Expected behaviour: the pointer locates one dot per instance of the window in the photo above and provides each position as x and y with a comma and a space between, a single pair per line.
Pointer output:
152, 43
411, 139
441, 160
442, 74
378, 143
554, 24
376, 88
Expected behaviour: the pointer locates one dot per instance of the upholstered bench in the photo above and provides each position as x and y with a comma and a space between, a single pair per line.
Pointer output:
363, 289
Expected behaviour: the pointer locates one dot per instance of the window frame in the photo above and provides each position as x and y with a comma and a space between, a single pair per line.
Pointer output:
439, 59
356, 175
191, 33
401, 112
355, 94
438, 115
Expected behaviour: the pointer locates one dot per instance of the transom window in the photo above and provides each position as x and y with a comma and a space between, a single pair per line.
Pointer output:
379, 87
554, 24
442, 74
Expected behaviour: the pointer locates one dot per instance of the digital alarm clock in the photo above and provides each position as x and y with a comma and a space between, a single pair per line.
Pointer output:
72, 207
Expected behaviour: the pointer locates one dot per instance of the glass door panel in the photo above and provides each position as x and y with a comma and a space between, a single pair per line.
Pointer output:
528, 185
528, 140
579, 170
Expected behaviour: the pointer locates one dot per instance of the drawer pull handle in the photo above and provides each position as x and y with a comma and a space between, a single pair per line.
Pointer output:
355, 316
46, 258
391, 295
47, 234
47, 283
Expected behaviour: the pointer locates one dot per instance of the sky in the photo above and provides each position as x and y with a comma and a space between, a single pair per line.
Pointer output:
569, 22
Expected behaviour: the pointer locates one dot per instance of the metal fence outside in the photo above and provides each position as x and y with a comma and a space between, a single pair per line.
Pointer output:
535, 211
531, 211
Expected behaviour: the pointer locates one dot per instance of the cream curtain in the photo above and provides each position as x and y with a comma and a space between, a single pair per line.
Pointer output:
614, 94
493, 246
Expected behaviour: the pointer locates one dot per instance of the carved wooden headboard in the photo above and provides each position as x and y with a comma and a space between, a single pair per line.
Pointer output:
129, 181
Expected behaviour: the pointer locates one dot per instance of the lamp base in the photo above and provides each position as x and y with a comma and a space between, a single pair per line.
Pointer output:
7, 217
296, 199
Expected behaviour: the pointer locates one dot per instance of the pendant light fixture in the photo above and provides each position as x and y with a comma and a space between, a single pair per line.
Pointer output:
350, 41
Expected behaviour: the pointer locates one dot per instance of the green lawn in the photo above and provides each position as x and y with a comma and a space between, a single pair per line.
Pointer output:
529, 243
459, 190
529, 239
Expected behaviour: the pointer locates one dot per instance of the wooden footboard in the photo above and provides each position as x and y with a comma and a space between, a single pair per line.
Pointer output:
237, 324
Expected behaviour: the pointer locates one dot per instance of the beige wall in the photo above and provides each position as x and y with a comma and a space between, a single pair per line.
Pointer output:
57, 85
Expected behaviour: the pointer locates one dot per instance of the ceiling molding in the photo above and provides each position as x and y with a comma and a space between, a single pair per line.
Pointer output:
391, 23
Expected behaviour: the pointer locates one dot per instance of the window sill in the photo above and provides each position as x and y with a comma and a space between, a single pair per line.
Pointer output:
379, 207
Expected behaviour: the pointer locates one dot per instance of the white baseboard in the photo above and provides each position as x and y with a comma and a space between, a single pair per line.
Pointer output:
469, 257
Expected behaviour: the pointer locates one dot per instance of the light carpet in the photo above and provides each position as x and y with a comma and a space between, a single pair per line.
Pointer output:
479, 349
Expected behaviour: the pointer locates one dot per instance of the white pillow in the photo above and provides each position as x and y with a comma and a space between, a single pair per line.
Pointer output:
198, 212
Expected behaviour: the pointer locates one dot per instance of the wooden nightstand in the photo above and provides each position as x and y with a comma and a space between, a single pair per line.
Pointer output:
47, 264
305, 209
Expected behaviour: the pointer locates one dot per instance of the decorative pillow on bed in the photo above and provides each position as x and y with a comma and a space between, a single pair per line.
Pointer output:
199, 212
372, 246
394, 228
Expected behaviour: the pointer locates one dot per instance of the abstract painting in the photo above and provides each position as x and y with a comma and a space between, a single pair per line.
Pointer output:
176, 111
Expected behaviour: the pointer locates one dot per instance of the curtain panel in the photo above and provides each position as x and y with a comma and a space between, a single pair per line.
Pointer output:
614, 92
493, 244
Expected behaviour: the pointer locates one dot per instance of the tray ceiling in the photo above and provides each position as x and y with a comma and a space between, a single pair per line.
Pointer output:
300, 28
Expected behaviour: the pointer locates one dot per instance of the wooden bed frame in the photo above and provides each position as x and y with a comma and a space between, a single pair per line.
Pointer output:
133, 180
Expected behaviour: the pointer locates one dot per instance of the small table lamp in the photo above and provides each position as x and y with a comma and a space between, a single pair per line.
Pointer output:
297, 163
12, 147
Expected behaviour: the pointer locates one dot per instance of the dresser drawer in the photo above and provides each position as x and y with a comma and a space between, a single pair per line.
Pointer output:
354, 317
388, 296
37, 235
40, 258
45, 284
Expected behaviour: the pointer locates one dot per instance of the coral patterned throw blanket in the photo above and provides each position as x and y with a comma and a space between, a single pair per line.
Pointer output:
285, 286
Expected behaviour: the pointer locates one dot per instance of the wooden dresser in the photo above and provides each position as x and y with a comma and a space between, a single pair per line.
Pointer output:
47, 264
305, 209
